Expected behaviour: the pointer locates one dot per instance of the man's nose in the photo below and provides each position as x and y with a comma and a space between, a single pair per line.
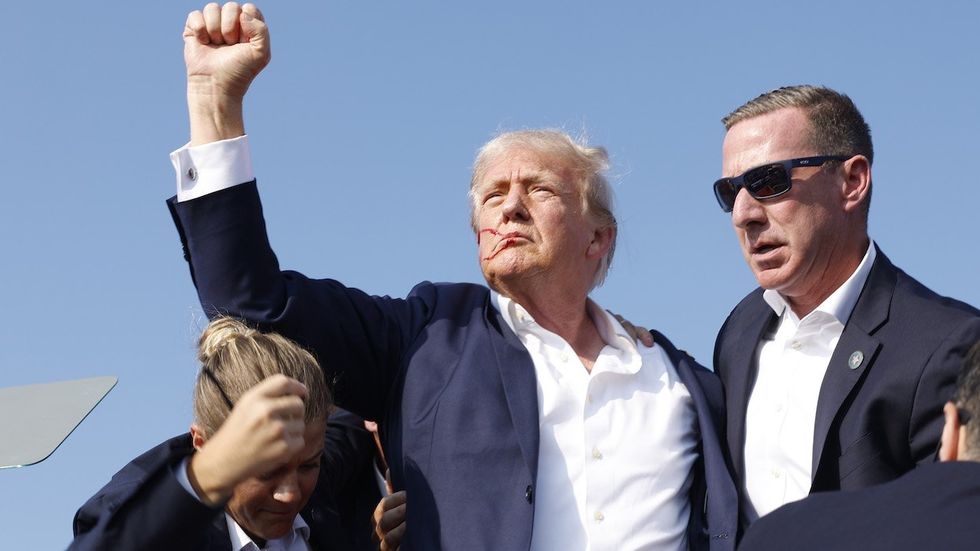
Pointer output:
747, 209
287, 489
514, 207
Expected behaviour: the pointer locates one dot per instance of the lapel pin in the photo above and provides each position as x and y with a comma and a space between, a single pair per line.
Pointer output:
857, 357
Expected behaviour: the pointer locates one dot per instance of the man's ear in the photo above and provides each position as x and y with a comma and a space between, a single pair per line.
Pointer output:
857, 182
602, 239
949, 443
197, 436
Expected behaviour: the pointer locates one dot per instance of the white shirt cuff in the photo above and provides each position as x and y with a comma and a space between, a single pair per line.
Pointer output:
181, 474
211, 167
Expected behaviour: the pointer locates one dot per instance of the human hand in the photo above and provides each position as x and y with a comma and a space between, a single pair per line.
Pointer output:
225, 47
635, 331
389, 520
263, 431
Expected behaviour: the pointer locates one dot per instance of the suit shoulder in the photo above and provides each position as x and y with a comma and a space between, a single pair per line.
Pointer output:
916, 296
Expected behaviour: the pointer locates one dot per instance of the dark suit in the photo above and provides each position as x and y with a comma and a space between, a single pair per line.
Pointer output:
348, 467
145, 507
452, 384
883, 417
933, 507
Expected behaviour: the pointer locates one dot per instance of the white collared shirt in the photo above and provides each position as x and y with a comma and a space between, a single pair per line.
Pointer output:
617, 446
296, 540
779, 419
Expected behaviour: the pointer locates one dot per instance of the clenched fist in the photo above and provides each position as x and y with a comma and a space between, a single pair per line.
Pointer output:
225, 47
264, 430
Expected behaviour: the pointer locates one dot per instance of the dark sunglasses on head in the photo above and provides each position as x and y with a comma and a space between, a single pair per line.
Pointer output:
766, 181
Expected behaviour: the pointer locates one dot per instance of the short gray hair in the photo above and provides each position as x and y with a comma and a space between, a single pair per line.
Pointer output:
587, 163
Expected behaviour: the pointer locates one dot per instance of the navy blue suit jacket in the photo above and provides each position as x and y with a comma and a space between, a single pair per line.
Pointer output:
452, 384
933, 507
881, 418
145, 507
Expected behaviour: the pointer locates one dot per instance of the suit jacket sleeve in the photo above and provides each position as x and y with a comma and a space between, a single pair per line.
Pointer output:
360, 340
937, 385
145, 507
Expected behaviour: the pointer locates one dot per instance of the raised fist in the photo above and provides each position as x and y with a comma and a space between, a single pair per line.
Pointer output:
225, 47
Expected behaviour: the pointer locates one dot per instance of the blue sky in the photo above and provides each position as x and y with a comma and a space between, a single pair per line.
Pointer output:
363, 129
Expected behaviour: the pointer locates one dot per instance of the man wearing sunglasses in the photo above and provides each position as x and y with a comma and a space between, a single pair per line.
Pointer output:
933, 507
836, 369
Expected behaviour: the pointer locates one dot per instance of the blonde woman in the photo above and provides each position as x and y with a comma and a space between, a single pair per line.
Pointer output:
245, 476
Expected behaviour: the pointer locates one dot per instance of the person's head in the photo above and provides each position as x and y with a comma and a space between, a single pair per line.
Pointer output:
542, 205
802, 225
961, 433
234, 358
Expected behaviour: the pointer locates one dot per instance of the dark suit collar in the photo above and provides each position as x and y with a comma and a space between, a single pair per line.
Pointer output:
855, 352
519, 383
720, 509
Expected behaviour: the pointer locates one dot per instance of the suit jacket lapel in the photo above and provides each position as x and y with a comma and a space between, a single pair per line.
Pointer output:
742, 370
855, 352
520, 385
721, 510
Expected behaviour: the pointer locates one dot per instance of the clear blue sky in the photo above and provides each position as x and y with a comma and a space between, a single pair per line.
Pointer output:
363, 129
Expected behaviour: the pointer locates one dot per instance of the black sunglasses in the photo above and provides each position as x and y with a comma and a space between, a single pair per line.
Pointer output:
766, 181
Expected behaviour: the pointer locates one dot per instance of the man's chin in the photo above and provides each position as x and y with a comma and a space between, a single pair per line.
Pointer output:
274, 526
772, 278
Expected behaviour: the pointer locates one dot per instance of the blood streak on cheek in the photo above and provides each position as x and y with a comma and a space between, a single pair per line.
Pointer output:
506, 243
507, 240
483, 231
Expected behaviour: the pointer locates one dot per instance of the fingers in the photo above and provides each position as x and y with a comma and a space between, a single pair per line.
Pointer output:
254, 29
212, 21
637, 332
230, 27
393, 539
195, 27
389, 517
227, 24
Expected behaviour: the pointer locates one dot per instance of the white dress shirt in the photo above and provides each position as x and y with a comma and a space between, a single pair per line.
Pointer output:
296, 539
617, 445
782, 408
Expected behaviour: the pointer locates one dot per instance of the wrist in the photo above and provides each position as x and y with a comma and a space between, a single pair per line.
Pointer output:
207, 481
215, 114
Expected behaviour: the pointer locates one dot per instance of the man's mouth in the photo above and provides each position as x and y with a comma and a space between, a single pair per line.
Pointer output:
505, 241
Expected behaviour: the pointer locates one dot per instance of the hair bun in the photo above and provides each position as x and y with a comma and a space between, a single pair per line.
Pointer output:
219, 334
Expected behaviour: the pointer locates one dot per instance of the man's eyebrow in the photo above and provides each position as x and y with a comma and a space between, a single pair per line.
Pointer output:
527, 177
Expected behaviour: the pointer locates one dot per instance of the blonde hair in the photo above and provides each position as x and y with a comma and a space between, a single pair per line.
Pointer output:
235, 357
587, 163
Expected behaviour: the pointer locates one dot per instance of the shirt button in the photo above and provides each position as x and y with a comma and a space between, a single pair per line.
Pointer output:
598, 516
796, 345
776, 474
192, 173
564, 357
588, 398
596, 454
779, 408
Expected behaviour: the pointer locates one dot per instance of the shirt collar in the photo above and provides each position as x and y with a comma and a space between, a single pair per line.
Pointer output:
840, 303
241, 541
611, 331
